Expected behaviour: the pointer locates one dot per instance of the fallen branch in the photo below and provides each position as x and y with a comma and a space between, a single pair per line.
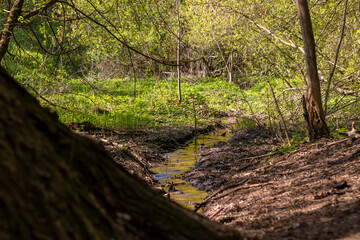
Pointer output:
241, 187
356, 153
208, 198
352, 135
334, 143
233, 188
260, 156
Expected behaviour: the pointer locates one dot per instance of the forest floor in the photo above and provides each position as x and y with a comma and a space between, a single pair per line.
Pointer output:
312, 192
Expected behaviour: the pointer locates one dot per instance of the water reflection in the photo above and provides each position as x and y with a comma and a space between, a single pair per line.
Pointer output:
182, 160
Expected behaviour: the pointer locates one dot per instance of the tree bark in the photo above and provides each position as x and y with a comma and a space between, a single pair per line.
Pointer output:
55, 184
11, 22
313, 94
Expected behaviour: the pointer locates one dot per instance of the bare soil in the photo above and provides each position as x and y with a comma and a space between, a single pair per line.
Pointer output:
138, 151
310, 193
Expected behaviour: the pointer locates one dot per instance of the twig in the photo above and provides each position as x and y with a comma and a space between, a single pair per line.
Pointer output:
278, 109
49, 102
195, 118
340, 141
220, 210
233, 188
260, 156
336, 58
209, 197
357, 152
241, 187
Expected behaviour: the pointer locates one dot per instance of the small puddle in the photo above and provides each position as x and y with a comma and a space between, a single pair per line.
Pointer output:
181, 161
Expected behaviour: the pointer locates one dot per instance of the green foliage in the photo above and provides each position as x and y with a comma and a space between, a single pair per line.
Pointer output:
155, 103
246, 123
262, 38
296, 140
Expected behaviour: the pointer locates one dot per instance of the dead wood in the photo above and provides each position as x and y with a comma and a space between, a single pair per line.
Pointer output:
232, 188
209, 197
260, 156
352, 135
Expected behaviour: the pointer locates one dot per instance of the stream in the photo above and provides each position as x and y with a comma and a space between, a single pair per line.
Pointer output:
181, 161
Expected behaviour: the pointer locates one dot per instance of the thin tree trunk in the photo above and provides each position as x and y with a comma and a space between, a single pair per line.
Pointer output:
178, 50
313, 94
195, 118
278, 109
9, 27
224, 60
336, 58
230, 68
134, 71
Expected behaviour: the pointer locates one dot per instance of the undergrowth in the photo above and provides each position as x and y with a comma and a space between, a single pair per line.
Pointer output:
121, 103
153, 103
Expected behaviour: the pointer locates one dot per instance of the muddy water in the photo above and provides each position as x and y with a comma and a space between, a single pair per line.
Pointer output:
183, 160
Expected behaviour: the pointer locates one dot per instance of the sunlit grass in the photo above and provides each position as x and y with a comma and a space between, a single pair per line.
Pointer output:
114, 103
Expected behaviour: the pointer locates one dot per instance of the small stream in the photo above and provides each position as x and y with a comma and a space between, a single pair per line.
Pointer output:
181, 161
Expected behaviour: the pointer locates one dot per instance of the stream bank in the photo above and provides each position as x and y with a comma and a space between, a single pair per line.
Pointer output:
169, 174
140, 150
310, 193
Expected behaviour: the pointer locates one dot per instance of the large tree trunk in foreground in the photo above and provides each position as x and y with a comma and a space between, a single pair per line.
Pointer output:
316, 118
55, 184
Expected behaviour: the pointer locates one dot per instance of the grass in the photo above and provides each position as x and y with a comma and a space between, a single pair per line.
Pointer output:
155, 103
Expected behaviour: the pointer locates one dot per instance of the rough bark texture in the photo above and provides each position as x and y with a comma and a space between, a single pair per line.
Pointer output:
55, 184
313, 95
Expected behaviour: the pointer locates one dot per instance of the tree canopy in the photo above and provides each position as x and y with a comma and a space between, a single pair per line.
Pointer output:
238, 41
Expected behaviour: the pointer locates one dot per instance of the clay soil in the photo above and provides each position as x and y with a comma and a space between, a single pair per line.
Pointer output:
312, 192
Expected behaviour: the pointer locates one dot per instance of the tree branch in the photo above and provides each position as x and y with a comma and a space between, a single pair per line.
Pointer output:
336, 58
39, 10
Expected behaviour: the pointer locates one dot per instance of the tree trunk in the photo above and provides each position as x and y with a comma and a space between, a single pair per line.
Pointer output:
12, 21
178, 50
55, 184
230, 67
313, 94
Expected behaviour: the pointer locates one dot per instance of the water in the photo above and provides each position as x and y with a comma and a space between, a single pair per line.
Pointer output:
181, 161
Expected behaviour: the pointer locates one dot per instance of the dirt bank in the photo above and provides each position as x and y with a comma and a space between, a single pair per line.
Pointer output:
310, 193
138, 151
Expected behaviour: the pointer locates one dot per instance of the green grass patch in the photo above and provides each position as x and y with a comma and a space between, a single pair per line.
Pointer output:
114, 103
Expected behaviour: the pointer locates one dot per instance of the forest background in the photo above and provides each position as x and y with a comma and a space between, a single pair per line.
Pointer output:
129, 64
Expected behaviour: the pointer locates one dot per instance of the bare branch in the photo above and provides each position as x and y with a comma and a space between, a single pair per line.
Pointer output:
336, 58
